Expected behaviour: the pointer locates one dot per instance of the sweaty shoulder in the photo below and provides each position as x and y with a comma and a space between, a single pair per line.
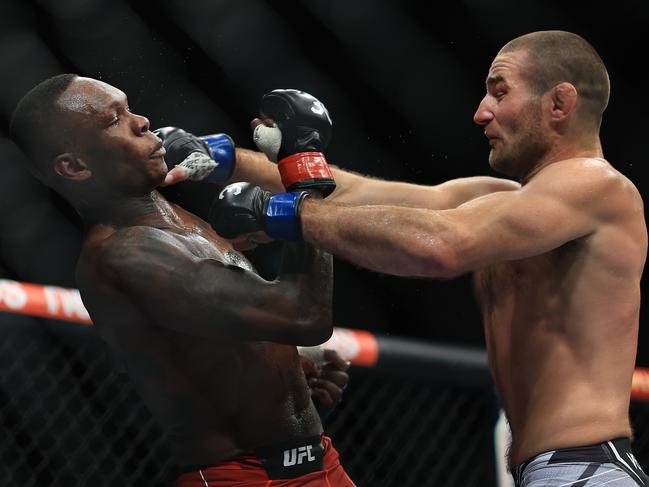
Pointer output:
107, 251
591, 184
610, 202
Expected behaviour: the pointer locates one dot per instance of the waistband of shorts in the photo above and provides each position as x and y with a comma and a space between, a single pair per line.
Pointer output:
260, 456
616, 451
597, 453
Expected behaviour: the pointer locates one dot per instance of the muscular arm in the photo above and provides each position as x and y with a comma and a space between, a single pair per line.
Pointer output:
559, 205
174, 289
354, 189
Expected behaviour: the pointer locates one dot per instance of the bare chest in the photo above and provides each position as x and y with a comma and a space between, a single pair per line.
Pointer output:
199, 238
524, 282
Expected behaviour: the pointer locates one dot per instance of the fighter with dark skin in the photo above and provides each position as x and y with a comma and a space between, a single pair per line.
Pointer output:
208, 343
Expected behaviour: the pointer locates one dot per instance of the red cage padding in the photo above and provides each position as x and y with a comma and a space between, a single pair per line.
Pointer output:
358, 346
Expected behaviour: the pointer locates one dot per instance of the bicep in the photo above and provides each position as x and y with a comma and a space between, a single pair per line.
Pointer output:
174, 289
354, 189
516, 225
357, 190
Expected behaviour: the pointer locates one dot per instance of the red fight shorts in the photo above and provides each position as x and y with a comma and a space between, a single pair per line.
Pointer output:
310, 462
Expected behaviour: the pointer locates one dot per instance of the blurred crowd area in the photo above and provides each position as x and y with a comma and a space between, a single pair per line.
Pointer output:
400, 78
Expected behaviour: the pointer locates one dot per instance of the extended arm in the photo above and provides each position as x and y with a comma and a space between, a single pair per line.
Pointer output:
187, 153
355, 189
175, 289
558, 206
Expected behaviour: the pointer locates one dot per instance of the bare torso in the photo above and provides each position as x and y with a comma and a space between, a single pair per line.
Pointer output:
214, 397
561, 331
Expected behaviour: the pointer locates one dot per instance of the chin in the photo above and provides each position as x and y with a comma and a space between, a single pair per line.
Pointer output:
501, 166
157, 178
156, 182
494, 162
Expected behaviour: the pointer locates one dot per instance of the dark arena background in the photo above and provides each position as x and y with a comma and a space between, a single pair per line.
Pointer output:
401, 80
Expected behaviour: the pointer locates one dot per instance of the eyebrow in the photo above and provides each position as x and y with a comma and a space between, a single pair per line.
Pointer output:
492, 80
122, 100
114, 105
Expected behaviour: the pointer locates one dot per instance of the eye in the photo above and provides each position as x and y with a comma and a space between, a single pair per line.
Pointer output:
114, 122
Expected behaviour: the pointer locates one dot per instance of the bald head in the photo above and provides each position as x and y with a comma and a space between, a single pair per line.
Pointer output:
36, 121
556, 56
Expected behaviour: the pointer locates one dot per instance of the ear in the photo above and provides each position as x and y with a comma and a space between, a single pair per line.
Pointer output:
69, 166
564, 101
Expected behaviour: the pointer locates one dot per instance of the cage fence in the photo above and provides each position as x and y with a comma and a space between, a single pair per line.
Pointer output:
69, 416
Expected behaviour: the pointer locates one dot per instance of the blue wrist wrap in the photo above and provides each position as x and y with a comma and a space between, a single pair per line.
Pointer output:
283, 216
222, 150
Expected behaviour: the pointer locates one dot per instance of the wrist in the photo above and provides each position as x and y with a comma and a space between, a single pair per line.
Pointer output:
222, 150
282, 216
306, 170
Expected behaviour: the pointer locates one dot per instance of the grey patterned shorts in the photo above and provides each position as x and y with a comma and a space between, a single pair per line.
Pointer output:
610, 463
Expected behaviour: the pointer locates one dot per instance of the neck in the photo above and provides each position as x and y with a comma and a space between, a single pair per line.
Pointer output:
149, 209
564, 151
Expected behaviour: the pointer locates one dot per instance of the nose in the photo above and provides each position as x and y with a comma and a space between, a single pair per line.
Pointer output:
141, 125
483, 115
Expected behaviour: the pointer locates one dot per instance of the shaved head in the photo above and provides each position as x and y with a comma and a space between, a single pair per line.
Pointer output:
37, 121
556, 56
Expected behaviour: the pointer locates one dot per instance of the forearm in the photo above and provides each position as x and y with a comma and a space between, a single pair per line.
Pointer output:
212, 301
310, 272
255, 167
410, 242
214, 298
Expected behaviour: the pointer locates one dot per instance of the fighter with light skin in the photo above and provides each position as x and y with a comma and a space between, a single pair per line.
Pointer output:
557, 261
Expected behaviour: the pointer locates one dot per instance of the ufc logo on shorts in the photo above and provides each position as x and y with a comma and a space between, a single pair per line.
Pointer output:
295, 456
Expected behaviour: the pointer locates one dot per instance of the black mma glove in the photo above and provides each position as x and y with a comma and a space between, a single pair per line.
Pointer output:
243, 208
302, 131
208, 158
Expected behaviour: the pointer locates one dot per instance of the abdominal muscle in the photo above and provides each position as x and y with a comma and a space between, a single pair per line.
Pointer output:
563, 369
556, 402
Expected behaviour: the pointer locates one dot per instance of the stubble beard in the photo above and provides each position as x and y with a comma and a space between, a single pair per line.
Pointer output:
523, 150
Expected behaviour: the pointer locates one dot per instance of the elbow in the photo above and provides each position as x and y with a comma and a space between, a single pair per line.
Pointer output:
439, 261
315, 329
315, 336
451, 265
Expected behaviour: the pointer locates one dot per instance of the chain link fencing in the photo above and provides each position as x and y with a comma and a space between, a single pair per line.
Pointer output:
70, 417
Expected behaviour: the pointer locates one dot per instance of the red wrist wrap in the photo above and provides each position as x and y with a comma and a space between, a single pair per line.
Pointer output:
303, 165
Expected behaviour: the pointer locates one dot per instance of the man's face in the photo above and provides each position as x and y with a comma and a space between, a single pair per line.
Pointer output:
512, 117
116, 144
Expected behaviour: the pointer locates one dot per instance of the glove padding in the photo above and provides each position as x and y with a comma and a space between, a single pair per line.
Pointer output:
242, 208
208, 158
197, 166
301, 131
